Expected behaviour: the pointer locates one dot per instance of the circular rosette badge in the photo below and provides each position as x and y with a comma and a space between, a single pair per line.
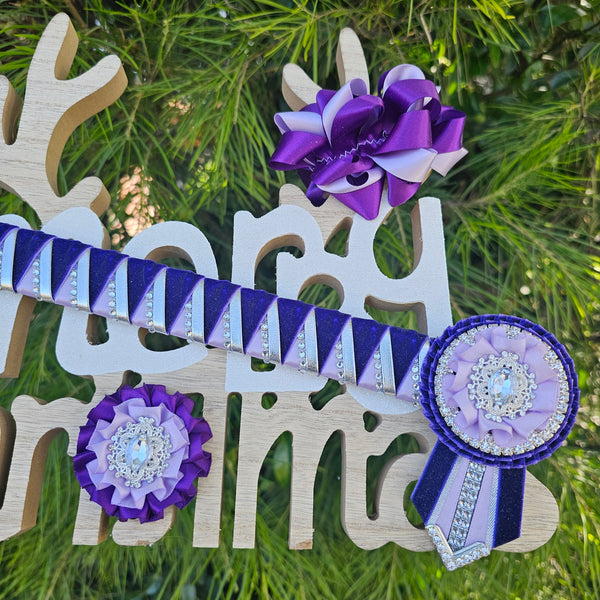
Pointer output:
141, 452
499, 390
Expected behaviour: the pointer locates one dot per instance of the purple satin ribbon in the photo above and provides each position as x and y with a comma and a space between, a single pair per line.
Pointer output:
349, 143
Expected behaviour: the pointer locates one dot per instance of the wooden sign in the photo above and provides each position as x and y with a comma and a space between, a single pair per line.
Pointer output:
34, 133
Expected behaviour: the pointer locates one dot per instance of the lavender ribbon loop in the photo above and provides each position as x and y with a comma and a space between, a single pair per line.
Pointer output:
349, 143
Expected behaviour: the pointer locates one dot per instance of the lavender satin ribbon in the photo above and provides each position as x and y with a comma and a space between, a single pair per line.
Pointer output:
349, 143
500, 392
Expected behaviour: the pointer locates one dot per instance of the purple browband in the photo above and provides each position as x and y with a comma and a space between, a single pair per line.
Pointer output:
219, 313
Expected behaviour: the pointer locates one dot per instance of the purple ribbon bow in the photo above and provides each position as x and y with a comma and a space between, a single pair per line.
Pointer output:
348, 140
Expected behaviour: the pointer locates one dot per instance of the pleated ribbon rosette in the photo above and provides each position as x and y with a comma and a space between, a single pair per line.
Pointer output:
501, 394
142, 451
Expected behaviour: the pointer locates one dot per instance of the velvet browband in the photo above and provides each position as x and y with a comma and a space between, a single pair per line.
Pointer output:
215, 312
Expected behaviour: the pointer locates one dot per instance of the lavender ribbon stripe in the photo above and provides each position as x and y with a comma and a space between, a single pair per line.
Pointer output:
348, 143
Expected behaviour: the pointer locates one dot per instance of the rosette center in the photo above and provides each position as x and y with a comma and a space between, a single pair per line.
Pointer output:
502, 386
140, 452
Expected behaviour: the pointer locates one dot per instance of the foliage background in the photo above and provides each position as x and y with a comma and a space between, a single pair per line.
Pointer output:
190, 140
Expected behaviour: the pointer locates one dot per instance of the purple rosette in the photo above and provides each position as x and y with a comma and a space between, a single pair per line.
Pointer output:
349, 142
141, 451
499, 390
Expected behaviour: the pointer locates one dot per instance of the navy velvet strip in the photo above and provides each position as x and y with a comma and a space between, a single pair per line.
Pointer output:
179, 286
433, 479
65, 253
509, 507
292, 314
217, 295
367, 336
255, 304
5, 229
29, 244
140, 275
329, 326
405, 346
103, 264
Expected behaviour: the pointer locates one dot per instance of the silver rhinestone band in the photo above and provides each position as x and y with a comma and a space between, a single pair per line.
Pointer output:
188, 319
226, 329
469, 492
415, 373
73, 280
150, 310
264, 336
36, 278
339, 357
301, 337
112, 297
378, 370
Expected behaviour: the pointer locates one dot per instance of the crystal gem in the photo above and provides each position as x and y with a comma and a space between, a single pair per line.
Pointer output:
138, 452
502, 386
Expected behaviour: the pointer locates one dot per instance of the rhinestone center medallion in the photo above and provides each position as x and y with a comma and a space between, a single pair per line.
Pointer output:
139, 452
502, 386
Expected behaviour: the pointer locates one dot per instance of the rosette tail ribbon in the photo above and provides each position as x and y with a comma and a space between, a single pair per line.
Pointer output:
499, 392
468, 508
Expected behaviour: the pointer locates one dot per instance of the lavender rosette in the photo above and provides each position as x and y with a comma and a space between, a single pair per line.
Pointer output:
499, 390
348, 143
501, 393
141, 451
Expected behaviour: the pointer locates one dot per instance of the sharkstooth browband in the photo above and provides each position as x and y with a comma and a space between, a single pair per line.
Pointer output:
500, 392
